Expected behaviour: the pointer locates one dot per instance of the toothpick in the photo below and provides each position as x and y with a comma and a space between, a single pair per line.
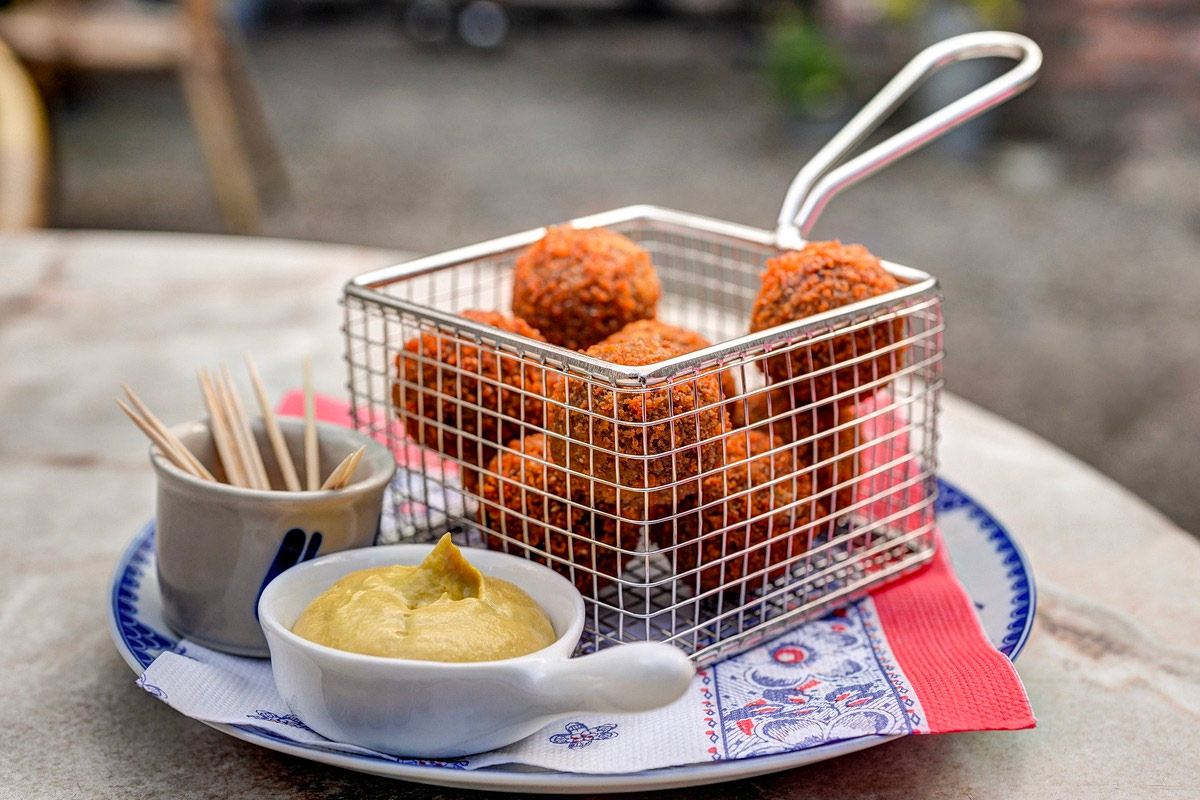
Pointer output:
198, 469
351, 468
342, 472
251, 457
164, 446
225, 403
282, 455
222, 437
312, 468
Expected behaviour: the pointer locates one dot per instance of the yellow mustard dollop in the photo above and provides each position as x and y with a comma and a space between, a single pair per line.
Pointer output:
442, 610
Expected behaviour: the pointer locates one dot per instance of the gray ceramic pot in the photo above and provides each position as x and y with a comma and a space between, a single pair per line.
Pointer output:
219, 545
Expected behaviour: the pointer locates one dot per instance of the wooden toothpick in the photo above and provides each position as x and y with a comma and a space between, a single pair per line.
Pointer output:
165, 447
282, 455
342, 472
311, 465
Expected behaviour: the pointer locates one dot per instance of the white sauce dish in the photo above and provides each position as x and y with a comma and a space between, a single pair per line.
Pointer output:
432, 709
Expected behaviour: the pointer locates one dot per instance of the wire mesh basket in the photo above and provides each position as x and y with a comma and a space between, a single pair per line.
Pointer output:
707, 500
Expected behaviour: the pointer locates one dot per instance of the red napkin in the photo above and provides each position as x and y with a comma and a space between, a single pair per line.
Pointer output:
930, 627
964, 683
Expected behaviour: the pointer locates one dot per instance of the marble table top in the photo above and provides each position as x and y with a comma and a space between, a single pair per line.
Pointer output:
1112, 668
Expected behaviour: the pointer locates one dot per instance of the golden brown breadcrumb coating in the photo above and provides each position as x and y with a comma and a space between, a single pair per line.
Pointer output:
579, 286
630, 437
820, 277
766, 506
525, 498
464, 399
682, 339
813, 427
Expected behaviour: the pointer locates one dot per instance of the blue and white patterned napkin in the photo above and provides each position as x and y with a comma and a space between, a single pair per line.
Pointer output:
824, 681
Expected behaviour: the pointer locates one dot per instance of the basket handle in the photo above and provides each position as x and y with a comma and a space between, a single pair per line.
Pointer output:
818, 180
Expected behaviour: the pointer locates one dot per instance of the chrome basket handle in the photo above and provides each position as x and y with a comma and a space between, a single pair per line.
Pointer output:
819, 180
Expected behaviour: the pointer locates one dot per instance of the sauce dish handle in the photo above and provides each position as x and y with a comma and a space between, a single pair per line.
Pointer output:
627, 678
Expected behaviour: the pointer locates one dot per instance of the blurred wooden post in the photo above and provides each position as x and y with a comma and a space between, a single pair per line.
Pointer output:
259, 137
211, 104
190, 40
24, 149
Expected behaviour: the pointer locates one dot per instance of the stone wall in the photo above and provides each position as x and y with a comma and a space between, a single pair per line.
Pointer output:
1120, 75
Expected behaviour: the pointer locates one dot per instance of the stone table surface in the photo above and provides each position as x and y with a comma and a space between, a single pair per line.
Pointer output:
1112, 668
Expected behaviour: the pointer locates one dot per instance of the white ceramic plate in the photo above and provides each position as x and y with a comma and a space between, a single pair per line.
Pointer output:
989, 562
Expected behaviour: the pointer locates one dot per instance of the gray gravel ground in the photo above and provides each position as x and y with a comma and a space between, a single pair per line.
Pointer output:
1069, 310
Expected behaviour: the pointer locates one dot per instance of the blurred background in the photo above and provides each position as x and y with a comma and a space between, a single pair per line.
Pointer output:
1064, 227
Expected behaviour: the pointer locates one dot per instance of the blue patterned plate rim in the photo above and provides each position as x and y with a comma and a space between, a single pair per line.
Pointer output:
1019, 572
139, 644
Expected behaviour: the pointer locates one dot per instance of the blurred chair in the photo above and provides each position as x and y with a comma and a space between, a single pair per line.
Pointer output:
188, 38
24, 149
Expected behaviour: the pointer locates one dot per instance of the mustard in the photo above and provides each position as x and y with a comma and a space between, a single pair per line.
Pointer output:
442, 610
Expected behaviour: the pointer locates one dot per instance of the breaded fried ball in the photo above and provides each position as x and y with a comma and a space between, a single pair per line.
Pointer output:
462, 390
774, 412
579, 286
762, 527
755, 408
603, 431
533, 495
682, 339
823, 276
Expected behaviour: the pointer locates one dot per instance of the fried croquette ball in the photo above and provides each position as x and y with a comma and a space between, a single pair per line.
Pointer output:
525, 498
755, 408
682, 339
465, 399
825, 434
579, 286
637, 438
756, 510
820, 277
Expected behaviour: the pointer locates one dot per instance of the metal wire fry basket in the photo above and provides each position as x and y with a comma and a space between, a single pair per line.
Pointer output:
624, 479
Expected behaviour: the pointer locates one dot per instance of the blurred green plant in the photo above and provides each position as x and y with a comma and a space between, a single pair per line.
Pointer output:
804, 71
992, 12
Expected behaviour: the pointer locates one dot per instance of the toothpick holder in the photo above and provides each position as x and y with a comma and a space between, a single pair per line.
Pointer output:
220, 545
